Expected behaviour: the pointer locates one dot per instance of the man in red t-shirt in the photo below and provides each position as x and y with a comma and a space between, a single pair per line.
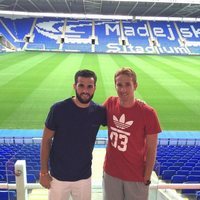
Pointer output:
133, 129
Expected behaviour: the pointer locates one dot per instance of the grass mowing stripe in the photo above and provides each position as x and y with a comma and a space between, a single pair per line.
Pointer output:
22, 86
57, 84
20, 67
178, 64
107, 67
179, 87
175, 71
9, 60
195, 57
162, 99
188, 60
55, 87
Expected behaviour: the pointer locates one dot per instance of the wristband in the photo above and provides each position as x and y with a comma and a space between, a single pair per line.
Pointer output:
44, 174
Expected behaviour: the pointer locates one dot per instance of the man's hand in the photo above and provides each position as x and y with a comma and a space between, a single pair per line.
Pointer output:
147, 182
45, 180
141, 101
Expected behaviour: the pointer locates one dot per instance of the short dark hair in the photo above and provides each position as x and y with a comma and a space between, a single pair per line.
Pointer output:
85, 73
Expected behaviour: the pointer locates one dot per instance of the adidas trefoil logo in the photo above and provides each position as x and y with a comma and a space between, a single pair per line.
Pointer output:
121, 123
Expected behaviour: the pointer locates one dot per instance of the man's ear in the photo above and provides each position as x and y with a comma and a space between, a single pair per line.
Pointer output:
74, 86
135, 86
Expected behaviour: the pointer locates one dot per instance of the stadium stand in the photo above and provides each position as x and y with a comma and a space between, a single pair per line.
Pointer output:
190, 35
179, 164
198, 195
109, 36
77, 36
9, 34
7, 195
138, 37
175, 163
47, 32
20, 28
167, 38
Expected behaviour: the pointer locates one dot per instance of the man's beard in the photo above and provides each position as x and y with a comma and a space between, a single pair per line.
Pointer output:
84, 101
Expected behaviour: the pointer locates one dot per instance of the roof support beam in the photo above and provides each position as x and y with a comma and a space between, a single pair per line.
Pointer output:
163, 1
68, 6
117, 7
35, 5
162, 11
180, 10
51, 5
149, 8
132, 8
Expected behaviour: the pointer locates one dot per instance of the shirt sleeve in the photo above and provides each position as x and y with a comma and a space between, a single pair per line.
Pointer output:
152, 122
104, 122
50, 122
105, 103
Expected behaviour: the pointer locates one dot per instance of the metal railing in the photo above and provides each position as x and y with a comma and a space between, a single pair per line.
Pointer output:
22, 186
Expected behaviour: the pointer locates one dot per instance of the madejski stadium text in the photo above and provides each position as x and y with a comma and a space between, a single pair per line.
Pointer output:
158, 32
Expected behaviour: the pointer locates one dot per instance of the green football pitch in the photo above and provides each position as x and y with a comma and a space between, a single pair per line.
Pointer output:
30, 82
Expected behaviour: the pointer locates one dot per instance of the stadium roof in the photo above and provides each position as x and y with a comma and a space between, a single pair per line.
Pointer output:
158, 8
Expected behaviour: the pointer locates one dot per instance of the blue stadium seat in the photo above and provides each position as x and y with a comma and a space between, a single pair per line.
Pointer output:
31, 178
194, 160
2, 167
32, 164
190, 164
7, 195
176, 157
166, 157
178, 164
196, 157
162, 168
3, 160
196, 168
167, 174
167, 164
35, 173
186, 167
2, 178
174, 168
198, 195
161, 160
178, 178
195, 172
11, 178
195, 178
4, 172
187, 157
172, 161
182, 172
29, 167
36, 167
182, 160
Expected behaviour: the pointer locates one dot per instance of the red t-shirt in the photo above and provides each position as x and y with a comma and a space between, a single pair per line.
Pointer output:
127, 129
